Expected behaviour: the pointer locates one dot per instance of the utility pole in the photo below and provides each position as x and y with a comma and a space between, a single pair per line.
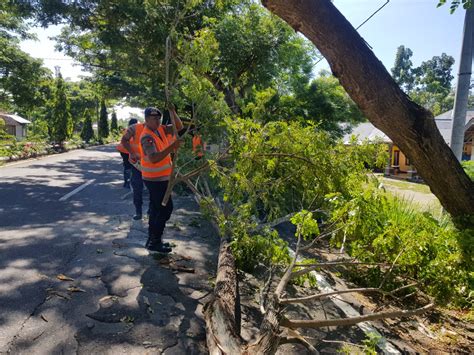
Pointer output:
462, 87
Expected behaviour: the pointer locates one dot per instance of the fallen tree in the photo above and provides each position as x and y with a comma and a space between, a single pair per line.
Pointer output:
372, 88
222, 312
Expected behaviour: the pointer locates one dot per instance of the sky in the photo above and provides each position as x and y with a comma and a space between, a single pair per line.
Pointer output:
417, 24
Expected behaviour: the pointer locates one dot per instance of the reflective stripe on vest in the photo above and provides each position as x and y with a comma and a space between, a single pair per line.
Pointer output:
155, 170
163, 167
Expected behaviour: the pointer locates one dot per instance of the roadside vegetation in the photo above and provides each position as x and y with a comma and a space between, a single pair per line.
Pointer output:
311, 172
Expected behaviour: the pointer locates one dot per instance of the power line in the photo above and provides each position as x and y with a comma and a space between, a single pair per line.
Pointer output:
368, 18
362, 24
54, 58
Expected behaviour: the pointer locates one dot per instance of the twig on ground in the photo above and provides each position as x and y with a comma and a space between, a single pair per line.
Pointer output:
389, 272
295, 337
265, 289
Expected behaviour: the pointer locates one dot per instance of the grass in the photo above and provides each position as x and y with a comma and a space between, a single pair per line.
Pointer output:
410, 192
406, 185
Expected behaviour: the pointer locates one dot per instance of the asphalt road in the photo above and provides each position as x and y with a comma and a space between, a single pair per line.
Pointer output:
46, 230
39, 234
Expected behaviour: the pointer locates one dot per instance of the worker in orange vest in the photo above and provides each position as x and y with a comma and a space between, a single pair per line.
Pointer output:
127, 167
157, 143
130, 141
198, 146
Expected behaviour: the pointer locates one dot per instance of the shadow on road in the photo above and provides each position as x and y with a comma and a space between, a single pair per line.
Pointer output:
116, 298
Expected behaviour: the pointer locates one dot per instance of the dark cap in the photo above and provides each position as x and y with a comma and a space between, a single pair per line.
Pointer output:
152, 111
132, 121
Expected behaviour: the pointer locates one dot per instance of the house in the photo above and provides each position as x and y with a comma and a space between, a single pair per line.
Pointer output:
398, 162
14, 125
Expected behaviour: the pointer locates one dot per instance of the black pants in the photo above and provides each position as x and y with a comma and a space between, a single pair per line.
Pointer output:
158, 214
137, 187
126, 168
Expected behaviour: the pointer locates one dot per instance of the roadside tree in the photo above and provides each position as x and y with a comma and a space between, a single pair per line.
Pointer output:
87, 133
114, 123
61, 119
103, 124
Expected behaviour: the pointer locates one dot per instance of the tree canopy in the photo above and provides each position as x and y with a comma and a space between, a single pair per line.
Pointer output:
429, 84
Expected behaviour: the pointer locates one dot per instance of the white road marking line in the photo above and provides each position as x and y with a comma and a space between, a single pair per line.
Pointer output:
76, 190
126, 195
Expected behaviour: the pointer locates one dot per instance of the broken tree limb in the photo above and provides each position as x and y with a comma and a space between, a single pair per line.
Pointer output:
287, 275
275, 222
222, 312
312, 267
354, 320
319, 237
329, 294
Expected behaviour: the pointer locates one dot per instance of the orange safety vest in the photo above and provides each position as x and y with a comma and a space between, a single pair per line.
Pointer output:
135, 140
152, 171
120, 147
198, 146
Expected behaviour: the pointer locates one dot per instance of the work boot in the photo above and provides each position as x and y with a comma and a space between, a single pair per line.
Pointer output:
165, 244
154, 243
138, 214
159, 247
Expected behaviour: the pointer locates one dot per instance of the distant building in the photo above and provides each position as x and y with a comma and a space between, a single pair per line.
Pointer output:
398, 162
14, 125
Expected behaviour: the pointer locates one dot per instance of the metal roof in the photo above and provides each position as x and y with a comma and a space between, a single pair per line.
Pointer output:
366, 131
444, 122
16, 118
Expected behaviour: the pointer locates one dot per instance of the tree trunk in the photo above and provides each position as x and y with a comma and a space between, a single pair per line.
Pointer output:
222, 314
364, 77
229, 95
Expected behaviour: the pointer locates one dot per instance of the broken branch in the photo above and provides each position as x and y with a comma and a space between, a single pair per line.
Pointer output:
328, 294
354, 320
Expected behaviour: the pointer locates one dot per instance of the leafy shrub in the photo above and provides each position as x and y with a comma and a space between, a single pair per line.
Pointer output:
280, 168
250, 248
469, 168
382, 228
7, 144
74, 142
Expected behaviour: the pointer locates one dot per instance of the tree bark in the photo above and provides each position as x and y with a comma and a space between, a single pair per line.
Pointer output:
222, 315
229, 95
222, 312
372, 88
